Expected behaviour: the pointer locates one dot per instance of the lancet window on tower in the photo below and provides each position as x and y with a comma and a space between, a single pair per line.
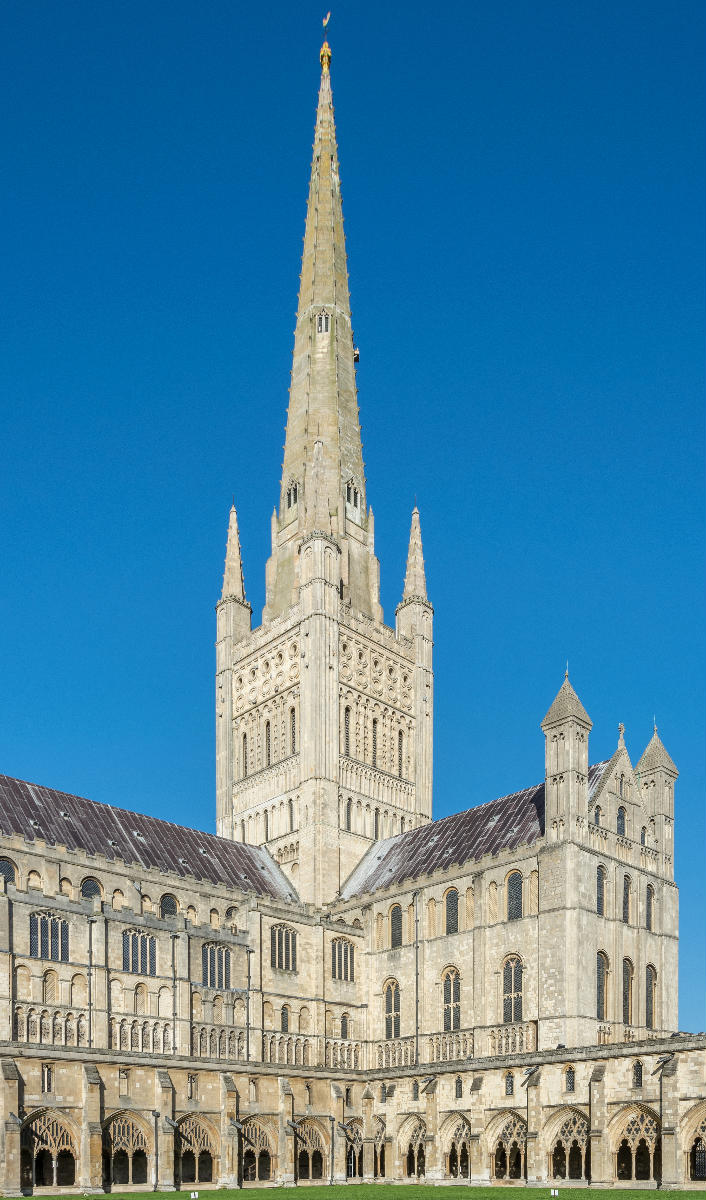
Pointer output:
292, 730
374, 752
650, 996
322, 322
292, 495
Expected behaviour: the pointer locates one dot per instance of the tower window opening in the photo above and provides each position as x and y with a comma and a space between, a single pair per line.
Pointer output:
268, 744
650, 991
627, 991
290, 809
347, 732
512, 990
601, 985
293, 730
620, 826
392, 1009
400, 753
395, 926
266, 824
375, 742
600, 891
322, 323
627, 890
649, 907
349, 815
244, 759
291, 495
597, 815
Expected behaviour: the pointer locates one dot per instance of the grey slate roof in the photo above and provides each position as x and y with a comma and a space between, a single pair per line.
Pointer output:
36, 812
464, 837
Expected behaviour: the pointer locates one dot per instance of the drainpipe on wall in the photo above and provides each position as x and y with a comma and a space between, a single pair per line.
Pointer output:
155, 1114
248, 950
91, 923
415, 898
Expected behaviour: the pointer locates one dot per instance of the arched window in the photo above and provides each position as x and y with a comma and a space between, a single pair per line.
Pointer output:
293, 730
347, 732
509, 1084
283, 948
570, 1079
395, 926
458, 1088
215, 966
377, 824
400, 753
643, 836
621, 786
601, 985
597, 815
7, 870
600, 891
392, 1009
290, 812
637, 1074
48, 937
268, 744
621, 821
168, 906
90, 888
650, 996
415, 1089
349, 815
375, 742
266, 825
451, 983
284, 1019
512, 990
626, 899
139, 952
342, 959
244, 756
451, 909
322, 323
627, 991
514, 896
649, 906
345, 1021
383, 1093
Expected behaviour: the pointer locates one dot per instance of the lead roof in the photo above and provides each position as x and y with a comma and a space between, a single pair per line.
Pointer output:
58, 818
501, 824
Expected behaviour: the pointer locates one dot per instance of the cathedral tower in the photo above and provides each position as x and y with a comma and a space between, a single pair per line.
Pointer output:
324, 717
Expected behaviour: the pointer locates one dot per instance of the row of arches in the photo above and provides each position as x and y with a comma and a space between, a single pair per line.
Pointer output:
379, 737
267, 736
647, 1007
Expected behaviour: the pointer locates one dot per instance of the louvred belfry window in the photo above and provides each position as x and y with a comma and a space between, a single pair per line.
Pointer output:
283, 948
512, 990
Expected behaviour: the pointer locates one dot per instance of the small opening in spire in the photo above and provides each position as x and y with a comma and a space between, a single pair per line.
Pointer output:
322, 323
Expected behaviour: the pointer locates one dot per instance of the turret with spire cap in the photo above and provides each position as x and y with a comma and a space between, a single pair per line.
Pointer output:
414, 619
656, 775
233, 624
233, 586
566, 728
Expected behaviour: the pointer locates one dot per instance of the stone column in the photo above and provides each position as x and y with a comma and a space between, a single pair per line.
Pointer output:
601, 1158
535, 1157
89, 1168
433, 1161
672, 1157
286, 1141
367, 1102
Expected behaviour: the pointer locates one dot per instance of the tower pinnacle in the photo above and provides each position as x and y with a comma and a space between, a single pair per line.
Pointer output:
415, 584
233, 586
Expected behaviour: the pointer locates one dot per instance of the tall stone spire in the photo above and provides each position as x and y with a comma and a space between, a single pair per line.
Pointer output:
415, 584
233, 587
323, 405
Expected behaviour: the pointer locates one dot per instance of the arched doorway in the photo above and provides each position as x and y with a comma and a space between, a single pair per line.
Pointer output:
194, 1152
126, 1147
47, 1152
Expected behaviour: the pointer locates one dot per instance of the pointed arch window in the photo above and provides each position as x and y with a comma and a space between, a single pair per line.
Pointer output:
514, 896
349, 815
597, 813
266, 824
322, 322
621, 822
392, 1009
627, 896
48, 937
643, 836
570, 1079
291, 495
377, 824
293, 730
637, 1074
451, 983
268, 744
347, 731
395, 926
290, 812
458, 1089
601, 985
627, 991
400, 753
649, 907
600, 891
512, 989
650, 996
622, 786
451, 910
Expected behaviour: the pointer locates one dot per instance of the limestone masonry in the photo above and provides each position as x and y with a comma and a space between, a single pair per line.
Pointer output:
337, 987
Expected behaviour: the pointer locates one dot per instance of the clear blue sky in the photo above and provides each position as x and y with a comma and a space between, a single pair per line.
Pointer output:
523, 190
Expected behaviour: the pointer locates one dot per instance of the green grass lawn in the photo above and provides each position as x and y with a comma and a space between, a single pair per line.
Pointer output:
369, 1191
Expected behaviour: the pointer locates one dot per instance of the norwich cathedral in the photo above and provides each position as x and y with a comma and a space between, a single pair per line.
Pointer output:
336, 987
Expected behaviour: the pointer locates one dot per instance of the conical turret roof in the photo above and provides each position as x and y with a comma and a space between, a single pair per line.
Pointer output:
566, 704
655, 756
415, 584
233, 585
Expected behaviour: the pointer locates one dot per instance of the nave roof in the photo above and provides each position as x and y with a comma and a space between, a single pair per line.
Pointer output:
501, 824
58, 818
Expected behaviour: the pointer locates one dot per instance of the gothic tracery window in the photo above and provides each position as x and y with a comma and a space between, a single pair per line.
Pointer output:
451, 984
601, 985
392, 1009
512, 989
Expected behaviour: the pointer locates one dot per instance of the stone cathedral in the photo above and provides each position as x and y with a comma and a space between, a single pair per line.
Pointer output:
336, 987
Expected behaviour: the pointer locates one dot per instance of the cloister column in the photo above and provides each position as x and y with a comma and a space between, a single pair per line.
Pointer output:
286, 1141
165, 1133
368, 1137
672, 1157
536, 1158
10, 1133
227, 1160
433, 1158
602, 1168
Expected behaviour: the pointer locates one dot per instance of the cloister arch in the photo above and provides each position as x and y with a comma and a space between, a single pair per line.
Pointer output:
506, 1140
636, 1144
455, 1136
311, 1150
127, 1150
693, 1140
195, 1150
259, 1161
412, 1146
569, 1148
48, 1150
